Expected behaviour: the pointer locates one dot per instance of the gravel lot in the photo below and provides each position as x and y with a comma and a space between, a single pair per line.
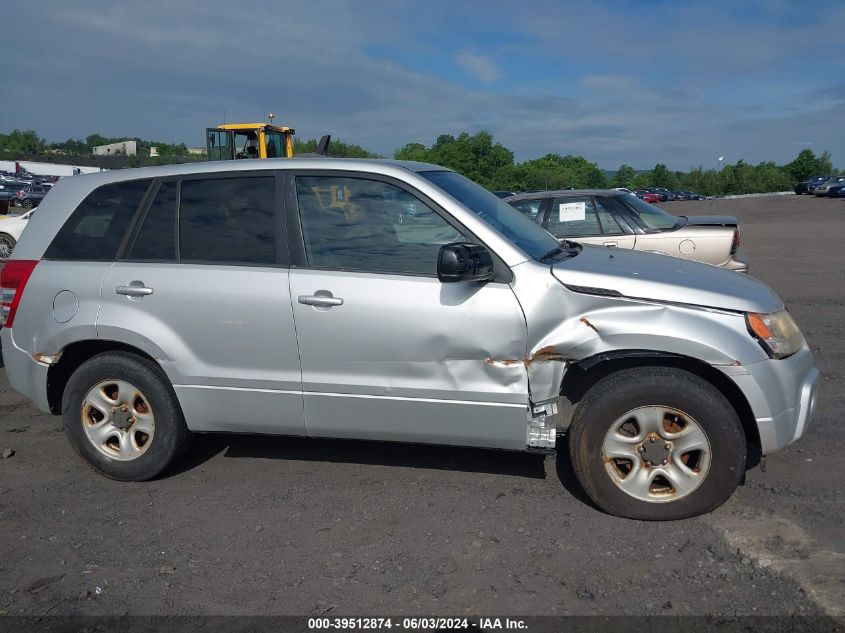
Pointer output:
290, 526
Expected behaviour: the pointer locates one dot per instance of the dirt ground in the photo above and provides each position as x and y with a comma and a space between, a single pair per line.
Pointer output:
292, 526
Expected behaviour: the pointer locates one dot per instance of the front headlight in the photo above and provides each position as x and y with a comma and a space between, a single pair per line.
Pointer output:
776, 332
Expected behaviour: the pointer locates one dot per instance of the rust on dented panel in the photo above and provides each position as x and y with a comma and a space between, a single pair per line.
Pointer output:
548, 353
543, 355
507, 362
588, 324
47, 359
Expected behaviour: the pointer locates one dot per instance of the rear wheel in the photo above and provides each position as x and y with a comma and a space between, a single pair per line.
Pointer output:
122, 416
27, 203
7, 244
656, 443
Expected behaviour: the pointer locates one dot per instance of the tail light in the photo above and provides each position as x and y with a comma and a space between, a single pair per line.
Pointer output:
13, 278
735, 243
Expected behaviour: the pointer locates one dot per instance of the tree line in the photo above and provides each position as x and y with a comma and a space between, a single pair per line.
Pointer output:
27, 142
479, 157
491, 164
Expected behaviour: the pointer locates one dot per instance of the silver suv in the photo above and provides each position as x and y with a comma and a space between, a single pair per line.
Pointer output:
301, 297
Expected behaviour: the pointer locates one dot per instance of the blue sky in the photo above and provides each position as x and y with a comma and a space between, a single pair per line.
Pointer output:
617, 82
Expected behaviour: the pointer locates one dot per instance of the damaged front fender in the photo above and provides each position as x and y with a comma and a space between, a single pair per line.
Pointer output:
564, 327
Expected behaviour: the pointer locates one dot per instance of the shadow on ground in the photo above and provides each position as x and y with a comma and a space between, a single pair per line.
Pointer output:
431, 457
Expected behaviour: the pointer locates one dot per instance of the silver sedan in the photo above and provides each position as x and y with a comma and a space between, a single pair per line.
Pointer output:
618, 219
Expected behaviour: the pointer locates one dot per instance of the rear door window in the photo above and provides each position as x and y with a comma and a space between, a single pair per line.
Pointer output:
156, 241
228, 220
95, 230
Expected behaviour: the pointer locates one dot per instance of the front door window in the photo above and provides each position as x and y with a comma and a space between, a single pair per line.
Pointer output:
369, 225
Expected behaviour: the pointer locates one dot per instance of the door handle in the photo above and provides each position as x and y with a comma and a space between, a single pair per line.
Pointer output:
325, 300
611, 243
134, 289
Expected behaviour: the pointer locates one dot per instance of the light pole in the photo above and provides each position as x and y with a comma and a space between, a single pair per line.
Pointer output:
721, 158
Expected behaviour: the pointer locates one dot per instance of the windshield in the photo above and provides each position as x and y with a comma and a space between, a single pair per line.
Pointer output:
652, 217
514, 226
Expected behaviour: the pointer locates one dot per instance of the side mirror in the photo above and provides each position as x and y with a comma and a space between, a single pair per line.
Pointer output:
463, 261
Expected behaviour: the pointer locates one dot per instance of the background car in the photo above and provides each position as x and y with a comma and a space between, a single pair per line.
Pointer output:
14, 183
8, 193
805, 185
664, 193
31, 196
613, 218
647, 195
692, 195
504, 194
837, 191
10, 232
9, 187
823, 188
812, 188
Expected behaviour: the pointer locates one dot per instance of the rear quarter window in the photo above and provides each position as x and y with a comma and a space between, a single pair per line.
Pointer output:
96, 228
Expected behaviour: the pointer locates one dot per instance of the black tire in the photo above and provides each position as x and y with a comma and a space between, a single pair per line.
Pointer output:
7, 243
625, 390
171, 435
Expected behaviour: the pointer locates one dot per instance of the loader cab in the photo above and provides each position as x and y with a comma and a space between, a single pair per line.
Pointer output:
237, 141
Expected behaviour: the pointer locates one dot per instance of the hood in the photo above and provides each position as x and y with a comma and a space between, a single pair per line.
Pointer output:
711, 220
665, 279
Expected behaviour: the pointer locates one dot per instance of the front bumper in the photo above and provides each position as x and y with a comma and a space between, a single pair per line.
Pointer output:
26, 376
782, 395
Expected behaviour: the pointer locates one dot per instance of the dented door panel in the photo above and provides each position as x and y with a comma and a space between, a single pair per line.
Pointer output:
403, 357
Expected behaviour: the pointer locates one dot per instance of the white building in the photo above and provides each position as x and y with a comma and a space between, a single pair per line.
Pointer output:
124, 148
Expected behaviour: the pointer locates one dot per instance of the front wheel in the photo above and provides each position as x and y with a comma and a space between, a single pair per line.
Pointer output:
656, 443
122, 416
27, 203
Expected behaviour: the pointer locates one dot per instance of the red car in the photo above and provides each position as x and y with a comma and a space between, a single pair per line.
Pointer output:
647, 196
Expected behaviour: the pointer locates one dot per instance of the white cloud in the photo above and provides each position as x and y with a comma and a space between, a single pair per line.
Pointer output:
478, 67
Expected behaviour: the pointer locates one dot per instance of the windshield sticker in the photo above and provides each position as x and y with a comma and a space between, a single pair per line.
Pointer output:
572, 212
